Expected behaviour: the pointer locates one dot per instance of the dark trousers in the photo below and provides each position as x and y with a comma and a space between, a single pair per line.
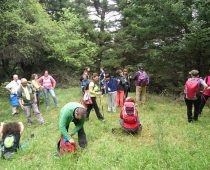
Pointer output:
204, 98
190, 104
81, 135
96, 108
126, 92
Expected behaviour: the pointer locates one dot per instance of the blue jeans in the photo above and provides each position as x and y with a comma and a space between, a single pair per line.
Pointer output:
52, 94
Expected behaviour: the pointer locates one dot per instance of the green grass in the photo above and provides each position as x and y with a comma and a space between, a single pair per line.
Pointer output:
167, 140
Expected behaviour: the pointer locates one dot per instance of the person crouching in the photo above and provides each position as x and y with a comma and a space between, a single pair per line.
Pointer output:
10, 134
129, 119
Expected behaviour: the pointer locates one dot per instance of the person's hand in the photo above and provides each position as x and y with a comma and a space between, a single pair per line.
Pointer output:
99, 93
70, 134
22, 107
71, 141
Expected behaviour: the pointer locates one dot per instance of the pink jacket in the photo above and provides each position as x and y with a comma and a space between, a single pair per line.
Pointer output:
47, 82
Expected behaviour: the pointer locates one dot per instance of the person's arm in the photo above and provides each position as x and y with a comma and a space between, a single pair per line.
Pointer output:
20, 99
78, 127
136, 76
40, 80
9, 86
62, 125
121, 113
53, 82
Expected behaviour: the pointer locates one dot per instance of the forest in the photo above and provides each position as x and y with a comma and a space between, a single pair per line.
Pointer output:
170, 37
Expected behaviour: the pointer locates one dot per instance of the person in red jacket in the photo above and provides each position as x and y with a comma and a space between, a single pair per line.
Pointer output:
129, 119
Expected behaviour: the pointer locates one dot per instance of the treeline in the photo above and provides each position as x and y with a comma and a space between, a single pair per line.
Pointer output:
170, 37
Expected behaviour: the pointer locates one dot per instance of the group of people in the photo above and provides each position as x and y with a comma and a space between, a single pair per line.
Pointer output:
26, 95
116, 88
197, 92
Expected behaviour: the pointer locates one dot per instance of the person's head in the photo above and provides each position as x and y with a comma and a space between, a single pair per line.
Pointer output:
24, 82
107, 76
119, 72
46, 73
129, 99
87, 69
194, 73
80, 113
140, 66
95, 77
34, 76
15, 77
125, 72
102, 69
11, 128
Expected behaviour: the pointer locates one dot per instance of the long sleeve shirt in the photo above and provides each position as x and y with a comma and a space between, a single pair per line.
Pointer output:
67, 116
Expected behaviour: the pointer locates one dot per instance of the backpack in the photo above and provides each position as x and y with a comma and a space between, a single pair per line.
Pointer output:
65, 146
9, 147
192, 88
208, 80
142, 78
129, 113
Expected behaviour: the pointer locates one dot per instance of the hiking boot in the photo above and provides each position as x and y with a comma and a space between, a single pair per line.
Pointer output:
102, 119
190, 120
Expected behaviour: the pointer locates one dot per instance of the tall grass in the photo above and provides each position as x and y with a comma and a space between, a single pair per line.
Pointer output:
167, 140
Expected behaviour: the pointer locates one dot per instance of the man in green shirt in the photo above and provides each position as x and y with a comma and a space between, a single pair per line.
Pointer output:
73, 112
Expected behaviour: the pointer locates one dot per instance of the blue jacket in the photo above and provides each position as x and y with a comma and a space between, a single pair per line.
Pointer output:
111, 85
84, 83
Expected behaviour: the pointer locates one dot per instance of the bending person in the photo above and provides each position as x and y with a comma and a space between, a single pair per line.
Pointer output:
73, 112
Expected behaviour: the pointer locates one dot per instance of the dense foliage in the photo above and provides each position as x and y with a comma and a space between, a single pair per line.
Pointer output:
170, 37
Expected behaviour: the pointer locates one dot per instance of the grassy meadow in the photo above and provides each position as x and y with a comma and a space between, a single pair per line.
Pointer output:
167, 140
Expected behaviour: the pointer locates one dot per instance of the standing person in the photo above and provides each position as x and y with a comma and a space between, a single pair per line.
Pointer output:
84, 84
73, 112
94, 91
36, 86
28, 101
120, 88
206, 93
127, 83
141, 81
13, 86
111, 89
10, 134
102, 80
48, 83
192, 94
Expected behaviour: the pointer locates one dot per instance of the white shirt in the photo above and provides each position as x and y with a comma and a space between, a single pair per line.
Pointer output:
14, 86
